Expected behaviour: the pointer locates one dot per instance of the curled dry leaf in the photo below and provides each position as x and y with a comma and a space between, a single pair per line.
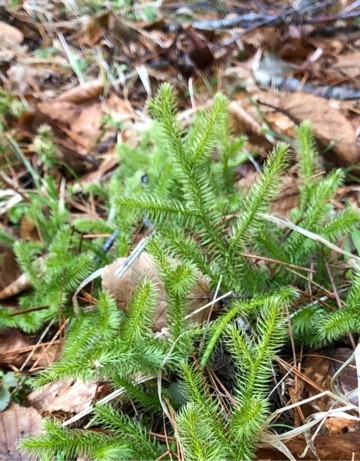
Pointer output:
12, 282
17, 284
10, 34
123, 288
82, 93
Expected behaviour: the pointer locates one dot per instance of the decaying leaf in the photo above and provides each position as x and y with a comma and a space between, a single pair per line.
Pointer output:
15, 423
64, 395
122, 288
9, 269
245, 121
80, 123
328, 447
329, 124
83, 92
287, 199
10, 34
320, 369
18, 282
26, 79
17, 349
28, 229
12, 340
348, 65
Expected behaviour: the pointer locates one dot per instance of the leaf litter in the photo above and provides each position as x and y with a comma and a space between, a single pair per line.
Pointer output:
74, 65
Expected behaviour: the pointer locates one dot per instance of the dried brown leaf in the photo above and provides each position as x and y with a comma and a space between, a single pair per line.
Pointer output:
109, 162
82, 93
76, 127
9, 269
27, 79
265, 38
320, 369
15, 423
245, 121
328, 447
16, 349
288, 198
348, 65
64, 395
17, 286
28, 229
12, 341
329, 124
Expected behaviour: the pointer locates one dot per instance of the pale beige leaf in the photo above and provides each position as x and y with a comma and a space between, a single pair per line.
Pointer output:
348, 65
10, 34
82, 93
15, 423
123, 288
64, 395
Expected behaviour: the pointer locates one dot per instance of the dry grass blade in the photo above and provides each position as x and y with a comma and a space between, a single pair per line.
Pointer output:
309, 234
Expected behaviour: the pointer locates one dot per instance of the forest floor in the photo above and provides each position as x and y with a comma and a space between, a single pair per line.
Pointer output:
86, 69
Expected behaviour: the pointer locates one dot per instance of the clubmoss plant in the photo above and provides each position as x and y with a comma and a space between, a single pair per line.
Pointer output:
202, 223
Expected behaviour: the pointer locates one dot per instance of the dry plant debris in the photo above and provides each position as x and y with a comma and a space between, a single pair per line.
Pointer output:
16, 422
144, 267
87, 71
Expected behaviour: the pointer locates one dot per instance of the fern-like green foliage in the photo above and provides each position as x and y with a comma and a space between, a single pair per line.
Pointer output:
54, 278
56, 263
105, 344
321, 325
203, 224
44, 146
199, 202
209, 433
91, 444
